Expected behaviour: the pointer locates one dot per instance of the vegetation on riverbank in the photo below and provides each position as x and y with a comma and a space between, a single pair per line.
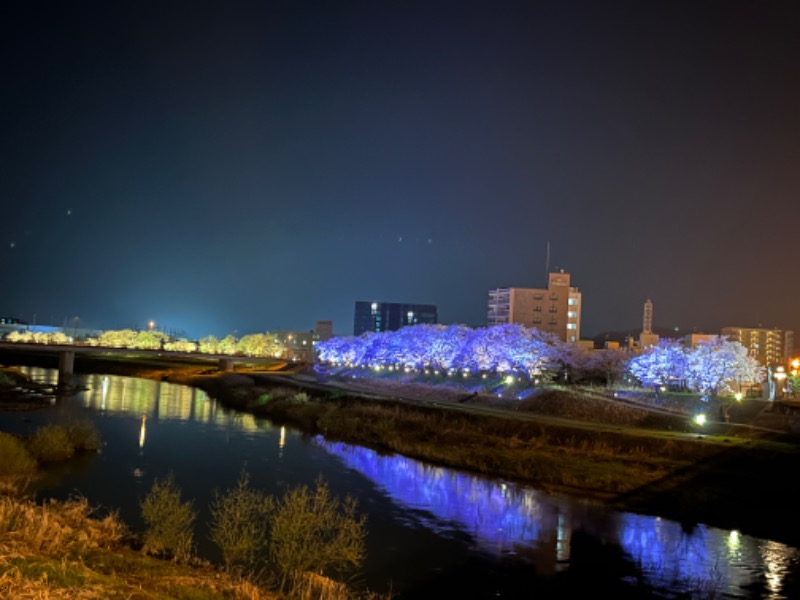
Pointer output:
64, 550
22, 457
273, 548
58, 550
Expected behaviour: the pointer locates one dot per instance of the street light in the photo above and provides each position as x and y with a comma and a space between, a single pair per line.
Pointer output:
780, 377
151, 325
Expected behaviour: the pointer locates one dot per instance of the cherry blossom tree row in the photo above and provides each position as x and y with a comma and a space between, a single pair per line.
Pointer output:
711, 367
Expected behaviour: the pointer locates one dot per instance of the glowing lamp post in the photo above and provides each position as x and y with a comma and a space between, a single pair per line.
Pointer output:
780, 377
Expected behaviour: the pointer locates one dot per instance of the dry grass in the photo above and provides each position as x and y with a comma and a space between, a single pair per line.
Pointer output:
27, 527
62, 550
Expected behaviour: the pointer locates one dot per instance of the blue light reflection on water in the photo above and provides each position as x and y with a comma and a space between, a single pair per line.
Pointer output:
497, 518
504, 518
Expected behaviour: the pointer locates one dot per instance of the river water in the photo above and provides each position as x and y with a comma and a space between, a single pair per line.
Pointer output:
433, 532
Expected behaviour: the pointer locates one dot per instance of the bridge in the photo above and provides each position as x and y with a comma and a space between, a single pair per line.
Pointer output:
66, 355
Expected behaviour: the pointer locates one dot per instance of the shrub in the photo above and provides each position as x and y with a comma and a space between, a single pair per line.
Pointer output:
51, 443
240, 524
84, 435
168, 521
311, 531
15, 460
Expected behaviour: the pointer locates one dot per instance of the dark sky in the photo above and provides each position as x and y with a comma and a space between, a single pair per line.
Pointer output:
241, 167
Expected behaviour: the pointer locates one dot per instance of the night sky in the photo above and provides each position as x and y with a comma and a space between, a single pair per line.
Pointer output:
242, 167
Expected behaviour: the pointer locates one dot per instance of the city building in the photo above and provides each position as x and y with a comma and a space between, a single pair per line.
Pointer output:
556, 309
391, 316
690, 340
770, 347
324, 330
299, 344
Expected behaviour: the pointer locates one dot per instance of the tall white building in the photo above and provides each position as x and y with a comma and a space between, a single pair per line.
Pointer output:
556, 309
647, 337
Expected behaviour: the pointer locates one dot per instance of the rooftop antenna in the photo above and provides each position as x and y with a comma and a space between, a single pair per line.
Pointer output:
547, 262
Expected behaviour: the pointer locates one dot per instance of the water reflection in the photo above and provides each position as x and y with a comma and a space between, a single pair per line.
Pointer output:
507, 519
153, 400
142, 431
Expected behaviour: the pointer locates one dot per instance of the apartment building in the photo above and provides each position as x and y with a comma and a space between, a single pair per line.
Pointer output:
770, 347
556, 309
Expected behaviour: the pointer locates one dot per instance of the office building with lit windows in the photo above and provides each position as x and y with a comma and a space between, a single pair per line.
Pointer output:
770, 347
556, 309
391, 316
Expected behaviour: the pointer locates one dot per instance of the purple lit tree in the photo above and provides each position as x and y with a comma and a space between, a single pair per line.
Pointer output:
569, 360
447, 346
660, 365
714, 365
501, 349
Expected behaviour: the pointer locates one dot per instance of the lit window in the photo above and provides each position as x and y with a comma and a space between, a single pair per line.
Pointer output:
571, 326
572, 314
573, 301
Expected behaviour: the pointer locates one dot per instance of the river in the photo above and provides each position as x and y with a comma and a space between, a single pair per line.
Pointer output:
433, 532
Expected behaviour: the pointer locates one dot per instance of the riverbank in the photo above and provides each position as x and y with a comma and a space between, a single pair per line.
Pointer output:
729, 476
63, 551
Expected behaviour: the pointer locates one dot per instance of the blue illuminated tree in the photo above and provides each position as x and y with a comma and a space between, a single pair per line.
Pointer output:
660, 365
500, 349
709, 368
714, 365
447, 347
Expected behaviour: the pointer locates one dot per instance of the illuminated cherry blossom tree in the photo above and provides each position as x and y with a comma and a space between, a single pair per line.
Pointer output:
660, 365
714, 365
709, 368
610, 363
499, 349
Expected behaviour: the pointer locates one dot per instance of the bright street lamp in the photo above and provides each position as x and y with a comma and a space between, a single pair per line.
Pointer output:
780, 377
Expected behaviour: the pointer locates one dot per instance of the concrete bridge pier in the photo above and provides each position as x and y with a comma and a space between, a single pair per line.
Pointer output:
66, 365
226, 364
